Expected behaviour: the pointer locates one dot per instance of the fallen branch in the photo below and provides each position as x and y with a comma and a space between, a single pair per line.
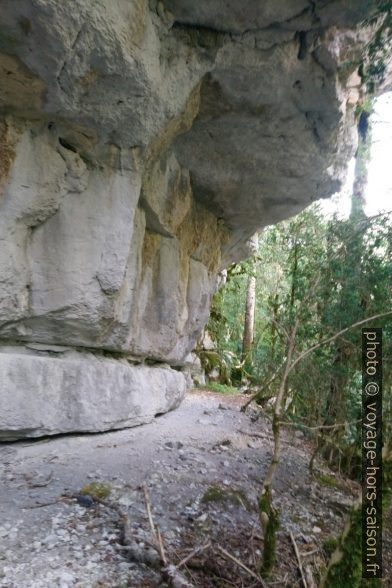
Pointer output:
241, 565
312, 552
298, 556
255, 434
194, 552
170, 572
317, 427
154, 530
309, 577
40, 504
261, 436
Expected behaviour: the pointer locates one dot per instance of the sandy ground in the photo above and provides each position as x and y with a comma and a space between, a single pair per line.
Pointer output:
203, 465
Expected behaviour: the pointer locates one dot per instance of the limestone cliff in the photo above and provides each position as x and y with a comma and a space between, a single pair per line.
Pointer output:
142, 144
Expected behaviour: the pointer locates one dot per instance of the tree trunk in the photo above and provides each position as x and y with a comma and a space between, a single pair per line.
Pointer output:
350, 306
249, 322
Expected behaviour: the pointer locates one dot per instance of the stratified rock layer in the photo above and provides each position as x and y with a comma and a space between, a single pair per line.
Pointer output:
142, 144
71, 392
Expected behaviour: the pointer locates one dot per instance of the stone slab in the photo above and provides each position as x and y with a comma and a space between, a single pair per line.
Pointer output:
49, 395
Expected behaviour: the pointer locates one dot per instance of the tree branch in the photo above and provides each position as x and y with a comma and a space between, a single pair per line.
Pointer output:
335, 336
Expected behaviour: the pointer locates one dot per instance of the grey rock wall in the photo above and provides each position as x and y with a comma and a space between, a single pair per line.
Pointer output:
141, 145
66, 391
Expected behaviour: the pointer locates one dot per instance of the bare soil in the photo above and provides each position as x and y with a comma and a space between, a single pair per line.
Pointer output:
203, 465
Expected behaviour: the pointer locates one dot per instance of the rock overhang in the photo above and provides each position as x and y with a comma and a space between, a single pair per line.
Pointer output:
142, 143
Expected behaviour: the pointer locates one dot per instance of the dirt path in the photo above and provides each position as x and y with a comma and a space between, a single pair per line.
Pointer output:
203, 472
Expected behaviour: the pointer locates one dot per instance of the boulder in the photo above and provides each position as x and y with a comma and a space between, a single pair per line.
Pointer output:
67, 392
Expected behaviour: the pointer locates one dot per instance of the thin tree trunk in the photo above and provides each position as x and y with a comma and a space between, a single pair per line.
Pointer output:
353, 280
274, 331
269, 516
250, 307
249, 323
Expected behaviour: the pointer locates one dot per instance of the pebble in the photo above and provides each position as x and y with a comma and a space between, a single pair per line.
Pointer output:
85, 500
316, 530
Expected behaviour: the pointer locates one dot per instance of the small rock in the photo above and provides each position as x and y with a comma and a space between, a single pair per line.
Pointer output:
316, 530
85, 500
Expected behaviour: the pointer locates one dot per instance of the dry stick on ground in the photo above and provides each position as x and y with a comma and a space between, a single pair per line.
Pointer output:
241, 565
261, 436
299, 560
309, 577
169, 571
317, 427
194, 552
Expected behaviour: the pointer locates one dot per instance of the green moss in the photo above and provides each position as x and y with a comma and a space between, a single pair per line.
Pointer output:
211, 360
329, 545
270, 514
346, 571
345, 568
98, 490
222, 388
328, 480
366, 106
217, 493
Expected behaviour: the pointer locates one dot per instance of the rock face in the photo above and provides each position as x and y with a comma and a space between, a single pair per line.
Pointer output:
72, 391
141, 145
